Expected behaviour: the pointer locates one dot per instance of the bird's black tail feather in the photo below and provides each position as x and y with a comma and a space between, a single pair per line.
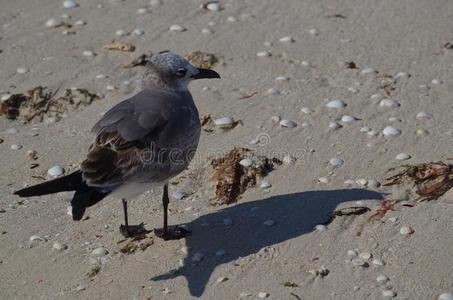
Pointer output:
66, 183
84, 196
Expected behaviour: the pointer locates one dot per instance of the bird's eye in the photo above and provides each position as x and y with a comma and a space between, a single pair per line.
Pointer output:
181, 72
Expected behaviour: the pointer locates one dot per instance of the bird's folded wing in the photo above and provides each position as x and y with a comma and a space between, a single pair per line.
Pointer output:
125, 135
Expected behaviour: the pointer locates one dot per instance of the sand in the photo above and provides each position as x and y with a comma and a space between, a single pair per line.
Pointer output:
388, 36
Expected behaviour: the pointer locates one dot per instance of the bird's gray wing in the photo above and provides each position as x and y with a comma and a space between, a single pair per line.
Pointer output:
127, 132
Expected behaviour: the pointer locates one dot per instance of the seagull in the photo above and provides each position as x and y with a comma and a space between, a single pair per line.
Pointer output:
140, 143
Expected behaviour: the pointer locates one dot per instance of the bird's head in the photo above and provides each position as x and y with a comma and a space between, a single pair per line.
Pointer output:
172, 71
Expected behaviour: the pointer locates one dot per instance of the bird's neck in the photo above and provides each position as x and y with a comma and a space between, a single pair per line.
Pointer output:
153, 80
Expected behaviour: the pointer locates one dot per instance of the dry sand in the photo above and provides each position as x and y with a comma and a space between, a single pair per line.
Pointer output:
388, 36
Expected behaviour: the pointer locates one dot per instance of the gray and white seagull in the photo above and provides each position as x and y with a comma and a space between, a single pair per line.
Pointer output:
140, 143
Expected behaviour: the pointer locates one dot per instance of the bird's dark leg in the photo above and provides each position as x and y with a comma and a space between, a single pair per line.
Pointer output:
172, 232
132, 230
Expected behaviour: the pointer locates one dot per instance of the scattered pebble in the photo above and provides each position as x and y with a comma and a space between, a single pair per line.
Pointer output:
436, 81
275, 119
121, 32
389, 103
15, 147
88, 53
388, 294
179, 195
52, 23
265, 184
382, 279
143, 11
377, 262
445, 296
224, 122
263, 295
389, 130
349, 182
359, 262
365, 255
37, 238
305, 63
348, 119
286, 39
368, 71
365, 129
206, 31
336, 104
197, 257
424, 115
177, 27
406, 230
289, 160
232, 19
335, 125
269, 223
373, 183
59, 246
138, 32
421, 132
214, 6
321, 227
287, 123
273, 91
307, 110
362, 181
246, 162
323, 180
100, 251
264, 53
352, 253
313, 31
402, 156
5, 97
221, 279
155, 2
336, 162
55, 171
70, 4
22, 70
79, 23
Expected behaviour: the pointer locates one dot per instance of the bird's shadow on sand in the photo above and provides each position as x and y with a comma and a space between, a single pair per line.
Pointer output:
293, 214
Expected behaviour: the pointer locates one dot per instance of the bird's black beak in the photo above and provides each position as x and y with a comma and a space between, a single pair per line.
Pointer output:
206, 73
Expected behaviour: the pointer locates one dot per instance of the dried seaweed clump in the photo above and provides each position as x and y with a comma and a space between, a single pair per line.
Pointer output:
232, 179
141, 60
204, 60
38, 105
430, 180
119, 46
137, 243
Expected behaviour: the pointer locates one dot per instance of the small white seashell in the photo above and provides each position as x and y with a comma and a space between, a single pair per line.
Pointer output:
388, 294
5, 97
377, 262
65, 16
424, 115
69, 211
55, 171
349, 182
177, 27
352, 253
221, 279
224, 122
305, 63
246, 162
37, 238
88, 53
265, 53
402, 156
373, 183
52, 23
382, 279
336, 104
213, 6
323, 180
269, 223
365, 255
286, 39
22, 70
110, 87
406, 230
393, 219
265, 184
263, 295
389, 103
348, 119
120, 33
287, 123
100, 251
100, 76
365, 129
206, 31
16, 147
445, 296
394, 119
79, 23
143, 10
335, 125
289, 160
70, 4
275, 119
59, 246
359, 262
436, 81
232, 19
389, 130
353, 90
138, 32
197, 257
368, 71
321, 227
179, 195
306, 110
362, 181
313, 31
220, 253
281, 78
336, 162
155, 2
227, 222
376, 96
401, 75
